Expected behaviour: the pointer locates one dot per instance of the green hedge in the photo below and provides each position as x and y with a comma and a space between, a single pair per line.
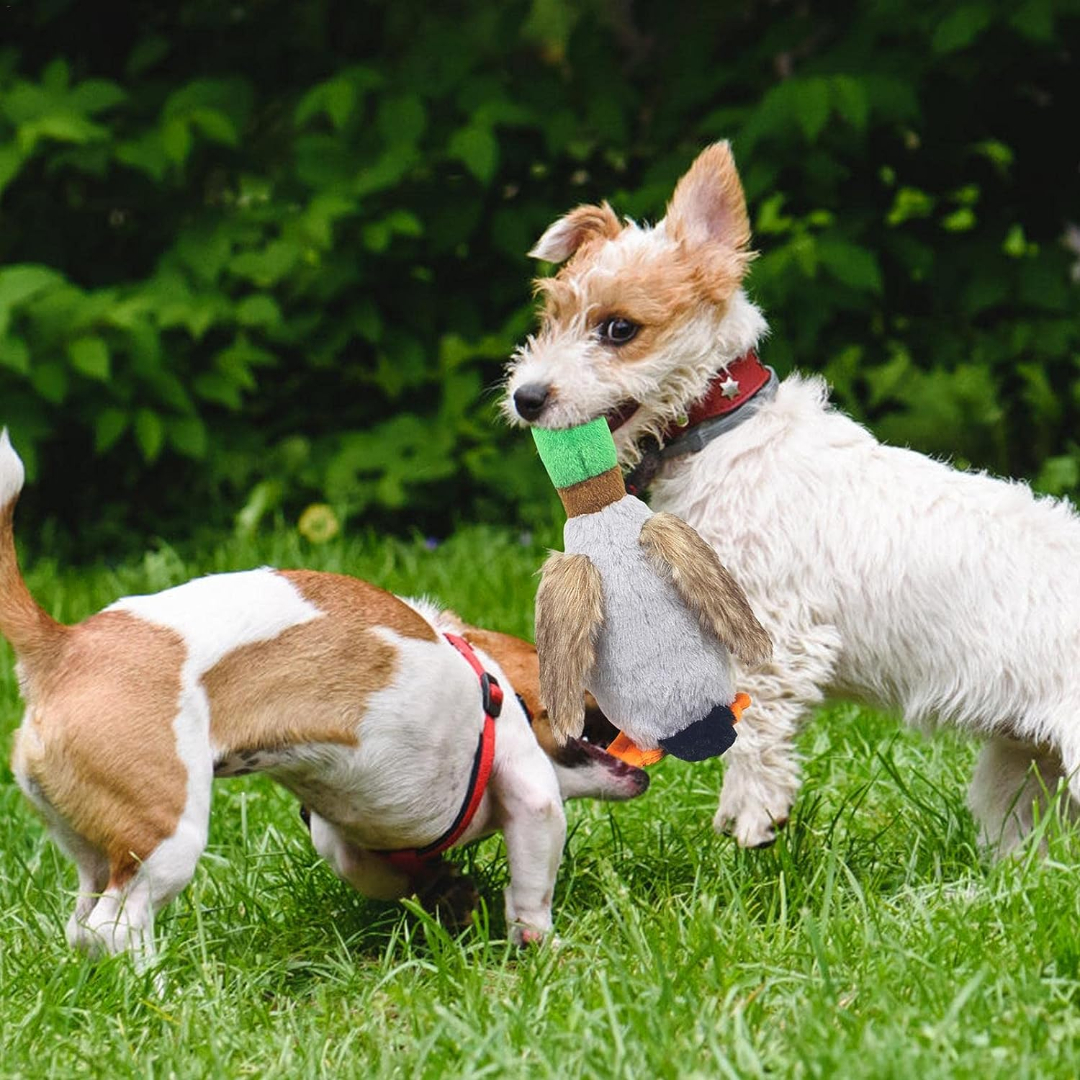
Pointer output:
259, 254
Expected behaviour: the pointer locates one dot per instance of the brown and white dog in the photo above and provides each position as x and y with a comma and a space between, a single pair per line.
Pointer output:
353, 699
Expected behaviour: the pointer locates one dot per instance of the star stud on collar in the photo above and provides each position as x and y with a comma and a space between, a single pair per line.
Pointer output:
729, 387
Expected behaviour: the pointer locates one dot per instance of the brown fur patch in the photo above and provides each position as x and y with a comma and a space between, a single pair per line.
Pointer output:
592, 495
705, 585
658, 285
30, 630
573, 230
99, 741
569, 612
311, 683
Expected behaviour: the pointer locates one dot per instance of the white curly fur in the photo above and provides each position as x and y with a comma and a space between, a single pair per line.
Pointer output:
882, 575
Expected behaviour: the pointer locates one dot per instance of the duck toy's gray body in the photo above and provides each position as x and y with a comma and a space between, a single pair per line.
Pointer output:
638, 610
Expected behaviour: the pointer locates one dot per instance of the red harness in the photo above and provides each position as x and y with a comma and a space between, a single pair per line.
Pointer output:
414, 860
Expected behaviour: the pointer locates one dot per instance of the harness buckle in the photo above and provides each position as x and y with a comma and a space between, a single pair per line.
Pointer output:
492, 694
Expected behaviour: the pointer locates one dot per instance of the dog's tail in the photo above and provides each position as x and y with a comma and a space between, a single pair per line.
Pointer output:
29, 629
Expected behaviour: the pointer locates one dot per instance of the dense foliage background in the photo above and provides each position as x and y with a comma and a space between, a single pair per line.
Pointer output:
260, 253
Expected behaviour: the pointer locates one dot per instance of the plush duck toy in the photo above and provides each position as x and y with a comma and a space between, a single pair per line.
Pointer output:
639, 611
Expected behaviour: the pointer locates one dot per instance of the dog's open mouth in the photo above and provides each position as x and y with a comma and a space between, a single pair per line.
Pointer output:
621, 413
577, 751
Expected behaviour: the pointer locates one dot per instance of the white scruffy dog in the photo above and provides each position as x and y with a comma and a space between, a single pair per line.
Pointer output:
880, 574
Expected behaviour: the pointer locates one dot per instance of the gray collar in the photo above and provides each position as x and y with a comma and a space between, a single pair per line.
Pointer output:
694, 440
700, 435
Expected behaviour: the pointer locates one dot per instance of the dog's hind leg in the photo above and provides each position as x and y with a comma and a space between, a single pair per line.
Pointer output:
92, 865
93, 869
1013, 784
762, 776
368, 873
123, 918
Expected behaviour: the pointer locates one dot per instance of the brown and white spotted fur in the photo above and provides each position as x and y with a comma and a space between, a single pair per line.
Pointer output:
348, 696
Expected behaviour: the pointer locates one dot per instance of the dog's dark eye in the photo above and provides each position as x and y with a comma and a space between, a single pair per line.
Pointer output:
617, 331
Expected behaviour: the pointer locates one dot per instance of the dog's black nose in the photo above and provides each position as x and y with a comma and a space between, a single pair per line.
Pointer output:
530, 399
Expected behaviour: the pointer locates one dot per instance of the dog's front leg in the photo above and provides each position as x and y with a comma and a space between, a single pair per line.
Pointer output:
762, 776
535, 829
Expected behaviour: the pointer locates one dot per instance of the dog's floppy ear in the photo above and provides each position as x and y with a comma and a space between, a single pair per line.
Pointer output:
571, 231
709, 206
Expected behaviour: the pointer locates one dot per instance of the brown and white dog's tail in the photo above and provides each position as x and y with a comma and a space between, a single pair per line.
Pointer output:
22, 622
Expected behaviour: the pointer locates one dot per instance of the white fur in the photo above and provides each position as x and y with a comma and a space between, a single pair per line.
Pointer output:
12, 474
882, 575
888, 577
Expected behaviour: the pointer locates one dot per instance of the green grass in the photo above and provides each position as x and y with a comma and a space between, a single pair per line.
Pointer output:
872, 941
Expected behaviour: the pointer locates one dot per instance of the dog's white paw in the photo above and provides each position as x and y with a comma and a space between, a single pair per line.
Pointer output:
751, 814
522, 935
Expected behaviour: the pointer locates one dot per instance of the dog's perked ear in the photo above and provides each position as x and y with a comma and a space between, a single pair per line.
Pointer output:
562, 239
709, 206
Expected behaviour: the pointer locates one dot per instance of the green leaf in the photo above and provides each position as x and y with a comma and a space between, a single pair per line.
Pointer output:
387, 170
20, 282
961, 220
90, 357
188, 435
404, 222
63, 127
232, 97
95, 95
258, 310
376, 236
56, 76
215, 125
15, 355
176, 140
1015, 243
216, 388
478, 149
960, 27
1035, 20
147, 153
11, 163
336, 98
402, 119
909, 203
811, 103
1059, 475
149, 434
851, 265
50, 380
851, 100
770, 220
109, 427
267, 267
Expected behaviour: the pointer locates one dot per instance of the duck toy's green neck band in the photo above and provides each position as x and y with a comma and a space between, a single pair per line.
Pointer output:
582, 464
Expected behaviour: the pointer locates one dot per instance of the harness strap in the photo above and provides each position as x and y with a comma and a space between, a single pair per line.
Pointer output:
414, 860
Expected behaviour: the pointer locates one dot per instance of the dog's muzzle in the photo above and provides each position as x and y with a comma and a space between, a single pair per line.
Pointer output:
530, 399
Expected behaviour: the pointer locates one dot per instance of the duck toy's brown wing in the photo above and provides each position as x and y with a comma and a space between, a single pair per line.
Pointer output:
569, 614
